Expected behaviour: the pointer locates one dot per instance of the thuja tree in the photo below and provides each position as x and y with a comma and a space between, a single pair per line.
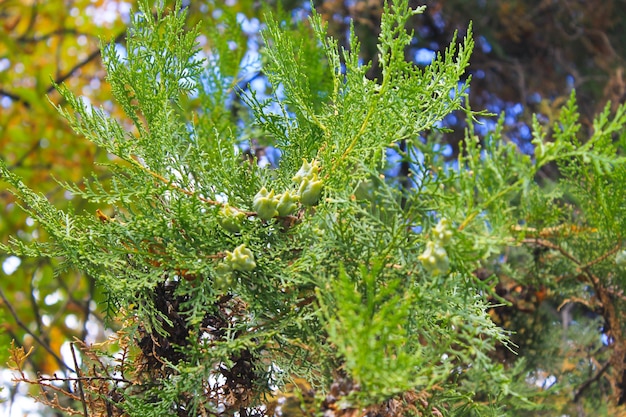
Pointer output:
230, 280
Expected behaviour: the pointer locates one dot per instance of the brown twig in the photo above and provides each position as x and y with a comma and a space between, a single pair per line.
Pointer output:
590, 381
602, 257
55, 378
12, 96
32, 334
79, 382
550, 245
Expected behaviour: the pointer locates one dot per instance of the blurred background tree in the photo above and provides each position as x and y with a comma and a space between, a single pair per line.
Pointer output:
41, 43
530, 55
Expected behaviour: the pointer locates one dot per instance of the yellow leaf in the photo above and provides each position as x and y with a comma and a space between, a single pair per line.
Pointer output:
18, 356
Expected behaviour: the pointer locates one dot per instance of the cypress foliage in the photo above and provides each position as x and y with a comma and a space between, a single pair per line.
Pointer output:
231, 280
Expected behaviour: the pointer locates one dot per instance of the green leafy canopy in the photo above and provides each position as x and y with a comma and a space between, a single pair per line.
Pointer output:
335, 290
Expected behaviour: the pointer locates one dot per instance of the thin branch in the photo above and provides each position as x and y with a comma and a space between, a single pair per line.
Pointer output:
87, 306
35, 306
608, 312
33, 18
590, 381
548, 244
603, 257
45, 37
170, 184
95, 54
82, 378
33, 335
79, 383
12, 96
302, 303
60, 79
35, 146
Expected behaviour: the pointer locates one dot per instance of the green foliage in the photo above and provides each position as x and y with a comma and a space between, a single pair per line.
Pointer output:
387, 363
226, 288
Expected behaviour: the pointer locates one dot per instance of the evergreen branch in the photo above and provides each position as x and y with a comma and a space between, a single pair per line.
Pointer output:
614, 324
173, 186
302, 303
363, 127
583, 267
492, 198
609, 313
602, 257
548, 244
289, 219
561, 230
342, 297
